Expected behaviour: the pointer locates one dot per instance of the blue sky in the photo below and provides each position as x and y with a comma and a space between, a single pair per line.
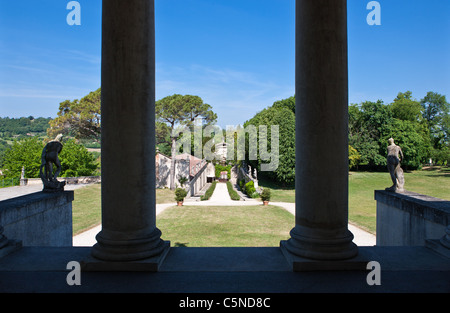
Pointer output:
238, 55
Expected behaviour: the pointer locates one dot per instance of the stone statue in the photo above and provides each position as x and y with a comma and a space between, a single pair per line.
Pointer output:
255, 173
393, 164
23, 180
49, 158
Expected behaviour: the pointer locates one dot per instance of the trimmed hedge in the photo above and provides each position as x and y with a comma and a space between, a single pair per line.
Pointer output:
233, 194
209, 192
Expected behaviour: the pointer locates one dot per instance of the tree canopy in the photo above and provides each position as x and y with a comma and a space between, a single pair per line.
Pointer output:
281, 113
179, 110
23, 126
419, 127
75, 159
80, 119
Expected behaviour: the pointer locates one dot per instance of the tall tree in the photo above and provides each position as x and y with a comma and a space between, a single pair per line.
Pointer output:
368, 122
281, 113
181, 110
79, 118
436, 111
405, 108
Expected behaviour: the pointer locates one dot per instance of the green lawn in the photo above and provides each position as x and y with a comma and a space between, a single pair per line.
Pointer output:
434, 182
86, 207
225, 226
362, 209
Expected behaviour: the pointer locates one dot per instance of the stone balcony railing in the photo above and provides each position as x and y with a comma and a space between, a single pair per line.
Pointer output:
410, 219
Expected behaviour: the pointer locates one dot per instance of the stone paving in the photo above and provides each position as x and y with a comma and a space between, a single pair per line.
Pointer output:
17, 191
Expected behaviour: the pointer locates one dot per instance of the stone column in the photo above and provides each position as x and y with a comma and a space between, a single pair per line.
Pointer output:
128, 133
321, 90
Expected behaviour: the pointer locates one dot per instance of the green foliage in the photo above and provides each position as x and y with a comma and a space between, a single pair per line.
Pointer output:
3, 147
367, 124
405, 108
13, 127
233, 194
288, 103
353, 157
75, 159
282, 115
173, 111
25, 152
436, 112
406, 120
250, 188
80, 119
265, 194
413, 139
222, 168
180, 194
241, 184
441, 156
182, 180
209, 191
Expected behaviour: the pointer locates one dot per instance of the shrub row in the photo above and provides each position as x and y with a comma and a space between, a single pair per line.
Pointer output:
209, 192
233, 194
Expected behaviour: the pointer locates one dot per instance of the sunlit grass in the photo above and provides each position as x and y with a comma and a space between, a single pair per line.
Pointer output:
86, 207
225, 226
433, 182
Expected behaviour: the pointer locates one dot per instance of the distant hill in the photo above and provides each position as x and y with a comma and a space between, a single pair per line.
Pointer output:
11, 128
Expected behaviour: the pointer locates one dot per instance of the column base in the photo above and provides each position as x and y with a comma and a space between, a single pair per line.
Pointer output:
118, 246
302, 264
325, 245
149, 264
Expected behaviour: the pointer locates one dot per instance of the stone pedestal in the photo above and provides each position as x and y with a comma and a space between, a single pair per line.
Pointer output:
129, 230
321, 188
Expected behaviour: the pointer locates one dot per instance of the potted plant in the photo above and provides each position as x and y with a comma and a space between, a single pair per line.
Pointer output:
180, 194
265, 196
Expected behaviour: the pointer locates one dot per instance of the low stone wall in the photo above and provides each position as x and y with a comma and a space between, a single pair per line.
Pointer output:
409, 219
39, 219
69, 180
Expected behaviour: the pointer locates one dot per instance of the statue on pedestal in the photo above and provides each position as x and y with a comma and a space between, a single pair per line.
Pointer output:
393, 163
23, 180
49, 158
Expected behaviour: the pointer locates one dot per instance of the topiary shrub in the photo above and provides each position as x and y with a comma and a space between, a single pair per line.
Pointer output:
250, 188
265, 194
180, 194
